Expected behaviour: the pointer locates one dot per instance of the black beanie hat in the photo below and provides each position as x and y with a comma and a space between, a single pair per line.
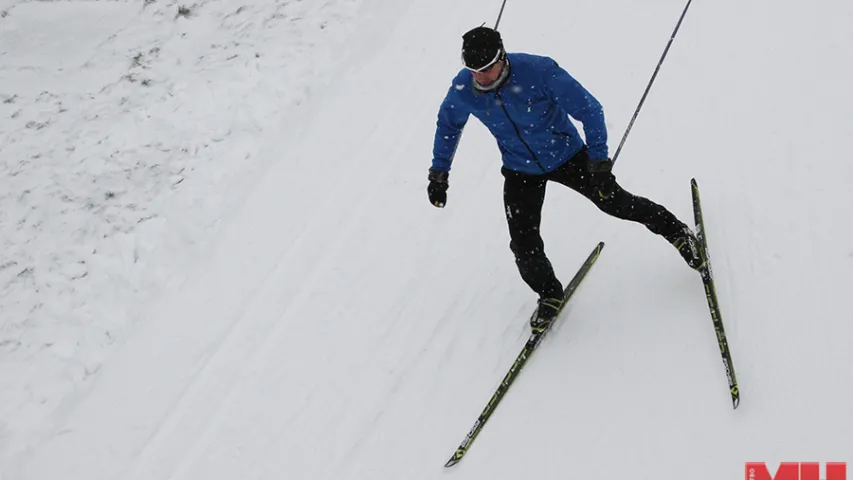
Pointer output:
480, 46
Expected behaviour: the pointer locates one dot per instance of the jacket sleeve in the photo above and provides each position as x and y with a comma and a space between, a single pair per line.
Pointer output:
452, 117
581, 105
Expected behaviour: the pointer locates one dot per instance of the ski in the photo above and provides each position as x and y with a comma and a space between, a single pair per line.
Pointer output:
529, 347
711, 294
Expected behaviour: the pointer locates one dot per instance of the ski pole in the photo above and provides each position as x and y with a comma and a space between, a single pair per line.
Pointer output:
500, 15
649, 87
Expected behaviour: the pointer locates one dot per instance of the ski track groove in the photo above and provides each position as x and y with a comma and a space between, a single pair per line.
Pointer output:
203, 373
201, 380
237, 379
274, 326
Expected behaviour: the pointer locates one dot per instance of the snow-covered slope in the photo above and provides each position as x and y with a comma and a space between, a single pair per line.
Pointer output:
340, 327
127, 134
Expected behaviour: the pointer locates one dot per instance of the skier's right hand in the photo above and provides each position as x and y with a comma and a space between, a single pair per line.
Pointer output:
437, 189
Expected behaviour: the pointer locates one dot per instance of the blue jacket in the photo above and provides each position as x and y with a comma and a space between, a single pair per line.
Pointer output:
528, 115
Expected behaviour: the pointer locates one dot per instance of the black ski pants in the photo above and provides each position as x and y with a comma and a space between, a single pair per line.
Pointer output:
524, 195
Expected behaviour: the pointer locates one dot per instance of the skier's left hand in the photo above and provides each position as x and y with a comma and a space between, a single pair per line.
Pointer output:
601, 177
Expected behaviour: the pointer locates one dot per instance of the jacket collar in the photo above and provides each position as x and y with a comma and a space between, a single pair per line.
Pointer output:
498, 83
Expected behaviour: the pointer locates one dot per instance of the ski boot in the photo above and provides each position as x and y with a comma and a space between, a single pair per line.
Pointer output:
546, 312
688, 246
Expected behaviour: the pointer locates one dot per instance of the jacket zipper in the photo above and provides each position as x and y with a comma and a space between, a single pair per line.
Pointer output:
518, 132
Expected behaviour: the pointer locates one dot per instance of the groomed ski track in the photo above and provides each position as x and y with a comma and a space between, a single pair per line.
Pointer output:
344, 329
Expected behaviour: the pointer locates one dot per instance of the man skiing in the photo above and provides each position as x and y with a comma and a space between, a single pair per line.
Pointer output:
525, 101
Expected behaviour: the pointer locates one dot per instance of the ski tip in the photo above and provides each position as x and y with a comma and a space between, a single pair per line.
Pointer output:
735, 402
693, 182
600, 245
455, 458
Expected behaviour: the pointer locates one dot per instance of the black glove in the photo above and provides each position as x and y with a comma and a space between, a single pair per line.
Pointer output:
437, 189
601, 177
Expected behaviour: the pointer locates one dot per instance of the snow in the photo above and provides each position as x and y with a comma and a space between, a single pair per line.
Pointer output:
128, 134
218, 260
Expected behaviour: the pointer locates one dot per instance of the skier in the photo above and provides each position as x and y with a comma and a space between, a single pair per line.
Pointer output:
525, 101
